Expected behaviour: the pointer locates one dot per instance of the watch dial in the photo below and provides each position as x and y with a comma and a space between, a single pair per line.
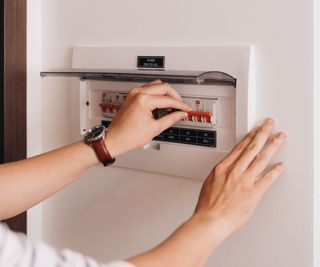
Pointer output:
97, 131
89, 134
94, 134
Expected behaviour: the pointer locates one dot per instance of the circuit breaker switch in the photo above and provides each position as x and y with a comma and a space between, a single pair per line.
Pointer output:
200, 116
103, 107
116, 107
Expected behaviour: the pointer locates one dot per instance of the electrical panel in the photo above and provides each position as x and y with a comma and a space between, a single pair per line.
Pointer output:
200, 128
217, 82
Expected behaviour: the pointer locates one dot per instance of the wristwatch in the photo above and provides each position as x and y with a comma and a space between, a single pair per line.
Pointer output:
95, 137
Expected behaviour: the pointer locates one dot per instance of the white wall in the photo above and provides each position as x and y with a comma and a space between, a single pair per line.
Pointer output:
316, 119
114, 213
34, 100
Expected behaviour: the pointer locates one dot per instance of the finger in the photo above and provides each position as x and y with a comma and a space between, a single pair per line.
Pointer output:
238, 149
250, 152
170, 120
263, 184
154, 102
151, 83
266, 154
137, 90
160, 89
223, 166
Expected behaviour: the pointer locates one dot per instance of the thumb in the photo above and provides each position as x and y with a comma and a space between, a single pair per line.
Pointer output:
169, 120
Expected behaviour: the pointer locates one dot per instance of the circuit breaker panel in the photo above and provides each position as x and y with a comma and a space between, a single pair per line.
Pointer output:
215, 81
200, 128
211, 123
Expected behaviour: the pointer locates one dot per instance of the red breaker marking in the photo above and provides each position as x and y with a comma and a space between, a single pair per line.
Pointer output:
199, 115
105, 106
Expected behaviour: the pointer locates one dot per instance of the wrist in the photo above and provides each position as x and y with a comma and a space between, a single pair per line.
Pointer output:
111, 145
215, 227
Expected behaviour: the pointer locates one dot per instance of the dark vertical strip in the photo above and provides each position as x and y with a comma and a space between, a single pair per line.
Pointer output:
1, 80
14, 89
15, 79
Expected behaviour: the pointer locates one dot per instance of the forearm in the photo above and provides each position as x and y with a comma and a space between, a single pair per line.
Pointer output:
25, 183
189, 246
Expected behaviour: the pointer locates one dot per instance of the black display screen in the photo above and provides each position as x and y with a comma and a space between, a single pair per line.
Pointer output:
184, 136
151, 62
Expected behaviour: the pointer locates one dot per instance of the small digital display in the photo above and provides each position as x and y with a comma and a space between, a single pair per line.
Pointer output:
151, 62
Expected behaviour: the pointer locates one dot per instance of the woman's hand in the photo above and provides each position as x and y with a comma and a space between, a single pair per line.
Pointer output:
228, 197
46, 174
235, 186
134, 125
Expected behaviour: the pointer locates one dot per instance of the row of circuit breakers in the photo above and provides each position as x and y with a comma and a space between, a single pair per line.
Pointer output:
197, 129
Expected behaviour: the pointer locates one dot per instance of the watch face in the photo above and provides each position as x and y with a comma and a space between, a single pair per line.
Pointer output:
94, 134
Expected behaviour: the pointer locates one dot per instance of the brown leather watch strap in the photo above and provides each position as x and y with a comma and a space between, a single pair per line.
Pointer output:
102, 153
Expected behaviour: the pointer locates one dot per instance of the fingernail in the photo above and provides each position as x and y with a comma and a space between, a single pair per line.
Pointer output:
184, 115
282, 135
269, 121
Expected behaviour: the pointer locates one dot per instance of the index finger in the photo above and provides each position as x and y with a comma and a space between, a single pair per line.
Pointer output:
159, 88
262, 159
238, 149
158, 102
251, 151
152, 82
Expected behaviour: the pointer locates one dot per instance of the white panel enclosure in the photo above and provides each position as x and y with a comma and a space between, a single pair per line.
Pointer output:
231, 106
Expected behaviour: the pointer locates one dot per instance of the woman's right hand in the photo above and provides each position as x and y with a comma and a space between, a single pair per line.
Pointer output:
135, 126
235, 186
228, 197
